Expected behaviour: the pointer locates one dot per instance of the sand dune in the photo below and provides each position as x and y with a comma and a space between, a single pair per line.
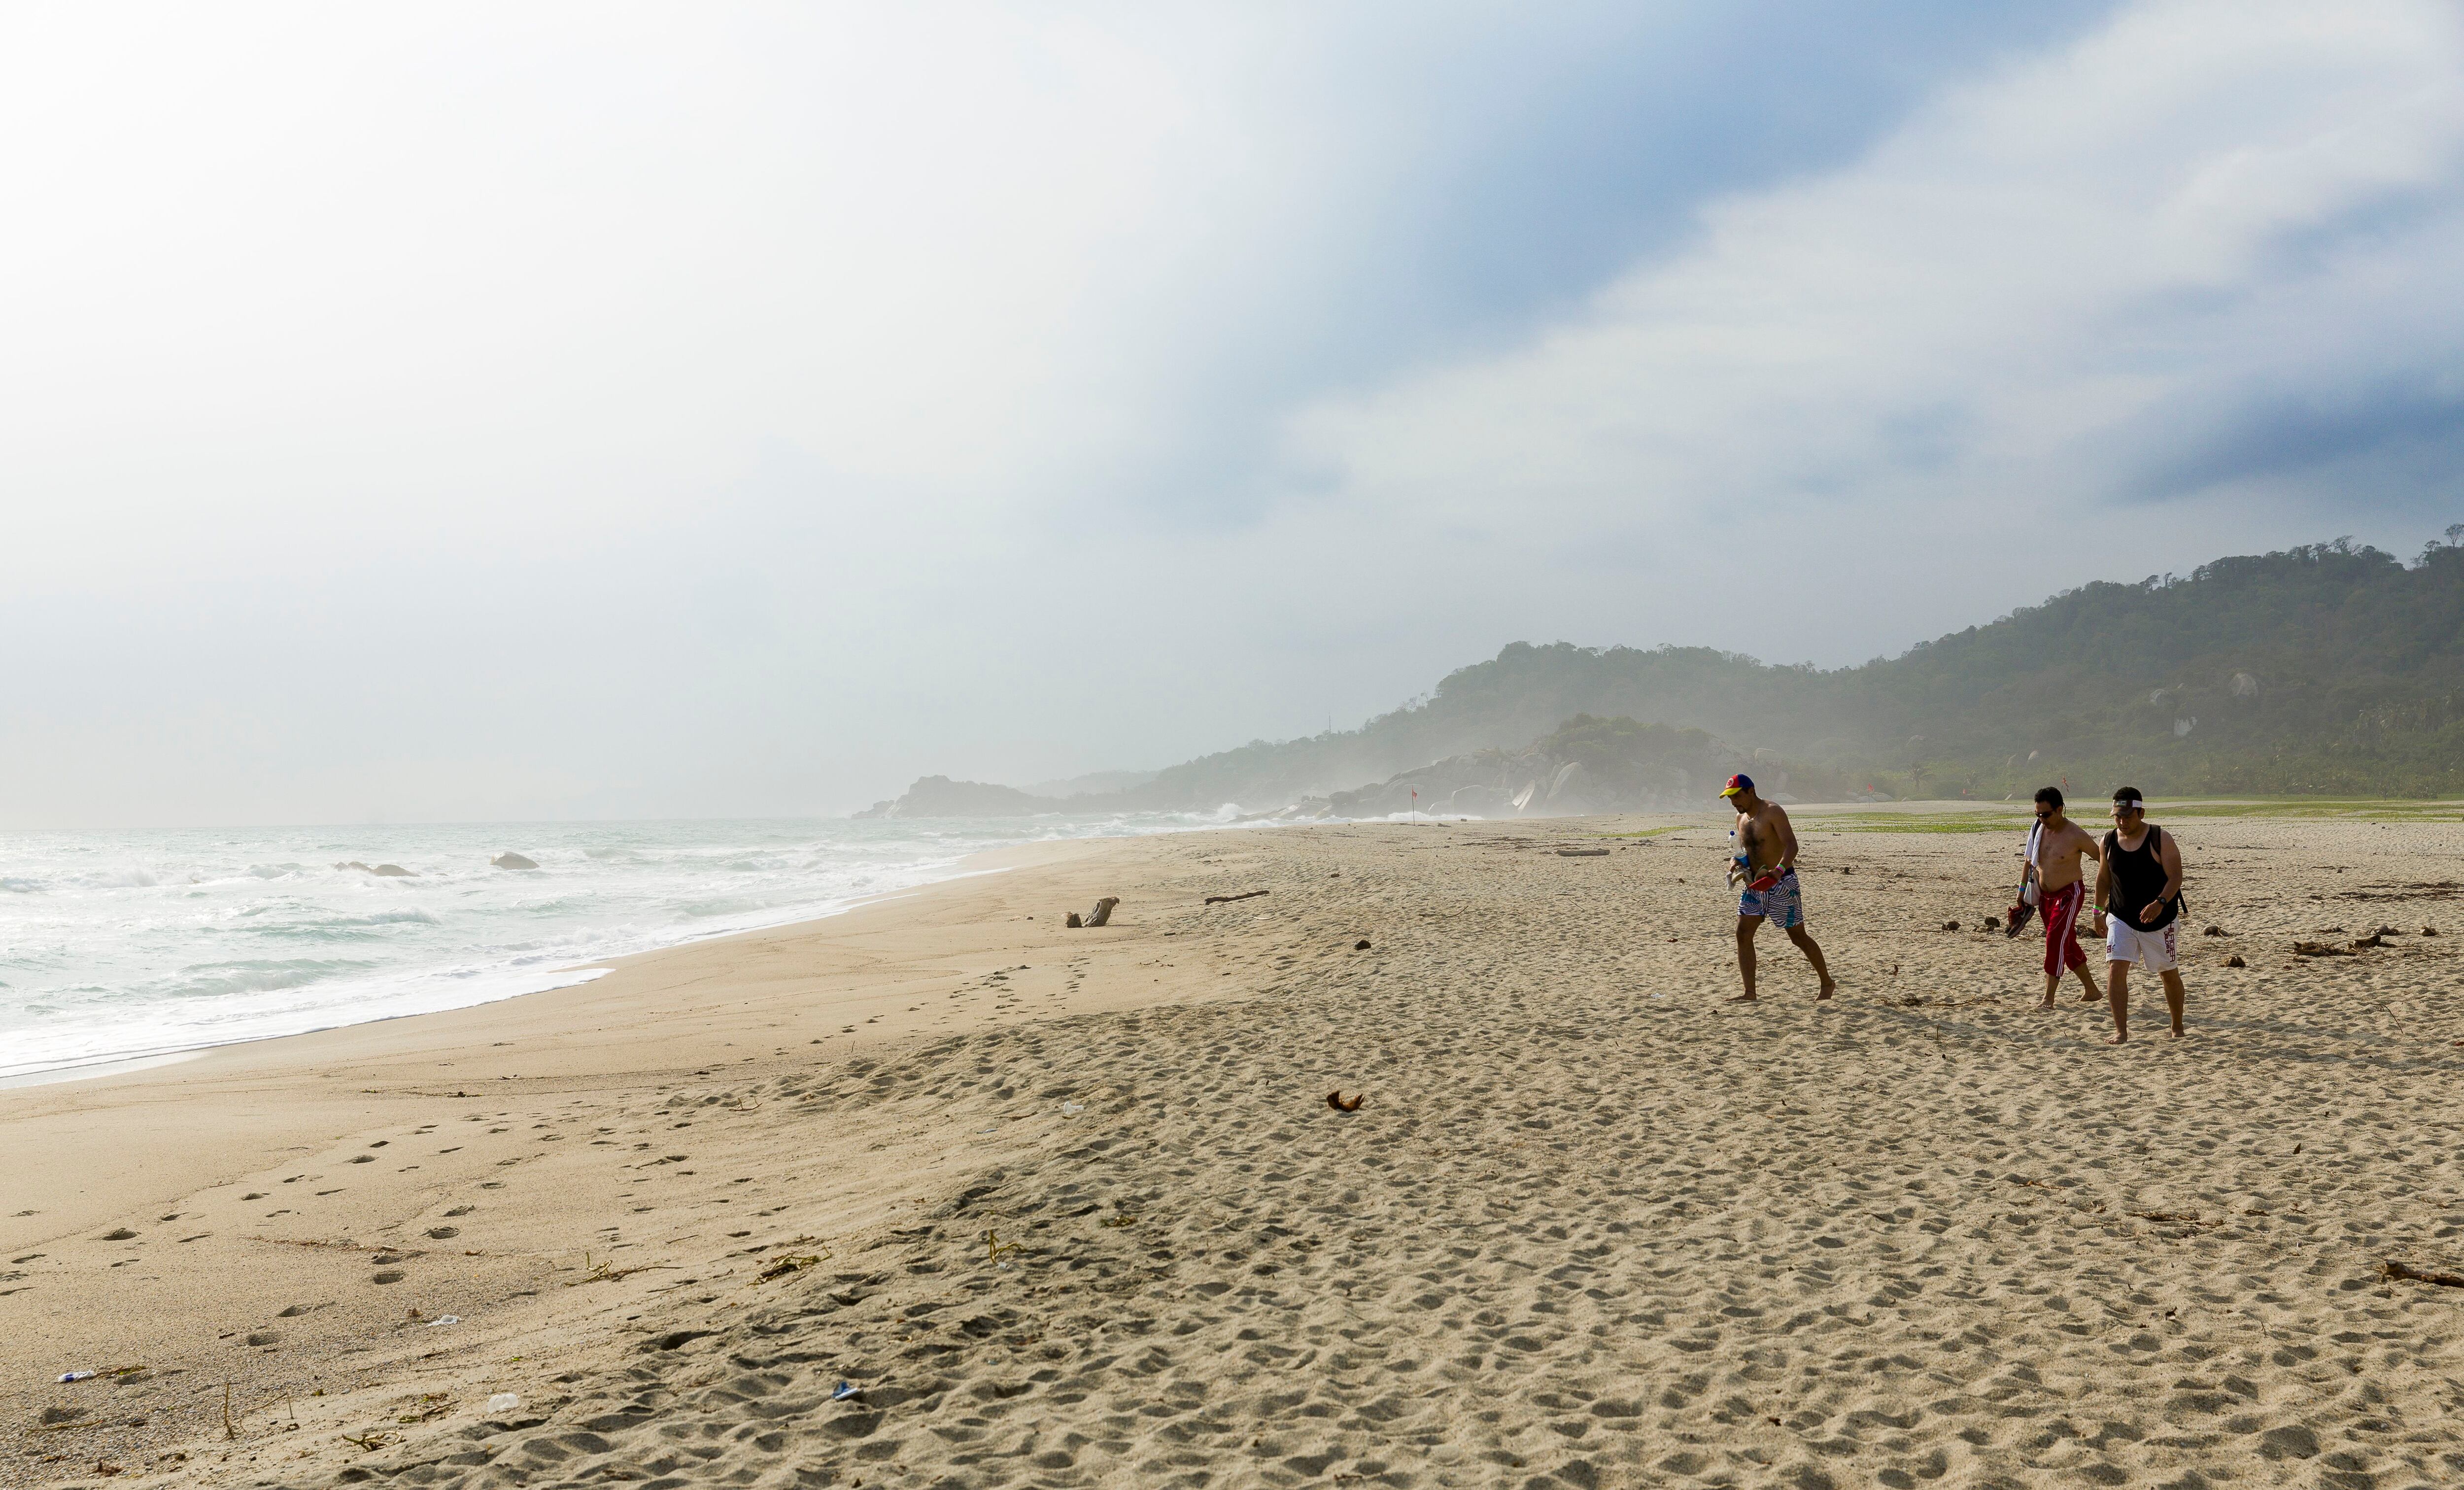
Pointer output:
1075, 1210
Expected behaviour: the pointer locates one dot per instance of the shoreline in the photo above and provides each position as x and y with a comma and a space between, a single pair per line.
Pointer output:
503, 984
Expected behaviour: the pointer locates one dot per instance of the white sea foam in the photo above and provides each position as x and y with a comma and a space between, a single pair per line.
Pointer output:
123, 946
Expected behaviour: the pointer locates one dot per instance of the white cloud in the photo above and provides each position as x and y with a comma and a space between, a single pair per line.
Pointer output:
1987, 307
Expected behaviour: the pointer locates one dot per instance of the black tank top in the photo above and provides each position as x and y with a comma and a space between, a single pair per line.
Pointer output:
2138, 878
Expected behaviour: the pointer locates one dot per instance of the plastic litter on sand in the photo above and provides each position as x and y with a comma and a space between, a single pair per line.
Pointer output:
503, 1402
75, 1376
445, 1319
843, 1391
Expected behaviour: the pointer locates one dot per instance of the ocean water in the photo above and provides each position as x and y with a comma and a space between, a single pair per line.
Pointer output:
119, 946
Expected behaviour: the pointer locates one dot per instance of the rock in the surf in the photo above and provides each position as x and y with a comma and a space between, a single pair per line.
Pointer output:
509, 860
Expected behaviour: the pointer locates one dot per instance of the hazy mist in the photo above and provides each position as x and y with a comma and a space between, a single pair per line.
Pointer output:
471, 413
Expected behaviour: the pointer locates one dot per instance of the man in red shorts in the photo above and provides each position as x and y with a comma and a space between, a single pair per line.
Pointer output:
2054, 874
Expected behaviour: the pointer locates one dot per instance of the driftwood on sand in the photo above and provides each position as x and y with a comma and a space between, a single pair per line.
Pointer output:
1102, 913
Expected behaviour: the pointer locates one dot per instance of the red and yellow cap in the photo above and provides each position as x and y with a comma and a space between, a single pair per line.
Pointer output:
1740, 783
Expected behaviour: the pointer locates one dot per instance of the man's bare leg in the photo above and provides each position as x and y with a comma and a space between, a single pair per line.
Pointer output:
1813, 954
2053, 982
2117, 979
1747, 926
2173, 996
2093, 994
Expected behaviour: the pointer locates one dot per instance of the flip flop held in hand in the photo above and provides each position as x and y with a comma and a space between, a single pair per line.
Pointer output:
1765, 863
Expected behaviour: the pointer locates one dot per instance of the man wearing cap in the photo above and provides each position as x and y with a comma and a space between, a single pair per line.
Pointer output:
1765, 863
2141, 879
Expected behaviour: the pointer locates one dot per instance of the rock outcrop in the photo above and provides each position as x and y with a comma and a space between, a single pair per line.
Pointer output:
509, 860
939, 796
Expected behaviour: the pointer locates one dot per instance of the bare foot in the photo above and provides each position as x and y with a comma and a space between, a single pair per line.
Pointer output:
2091, 999
2117, 1040
2047, 1003
1744, 998
2176, 1032
1829, 987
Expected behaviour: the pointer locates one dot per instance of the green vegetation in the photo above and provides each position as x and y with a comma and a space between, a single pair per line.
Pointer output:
2375, 810
1913, 822
2329, 672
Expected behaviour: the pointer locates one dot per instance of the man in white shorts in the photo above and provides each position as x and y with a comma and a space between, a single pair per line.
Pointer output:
2141, 881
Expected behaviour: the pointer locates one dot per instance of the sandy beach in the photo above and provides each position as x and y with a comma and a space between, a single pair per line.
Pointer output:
938, 1192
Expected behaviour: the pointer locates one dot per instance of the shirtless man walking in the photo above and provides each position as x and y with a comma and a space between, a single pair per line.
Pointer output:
1765, 861
2141, 878
2054, 850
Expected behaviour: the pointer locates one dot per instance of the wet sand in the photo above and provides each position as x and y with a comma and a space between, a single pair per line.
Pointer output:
1069, 1207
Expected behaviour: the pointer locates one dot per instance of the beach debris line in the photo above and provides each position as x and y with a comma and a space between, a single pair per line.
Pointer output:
1334, 1100
1225, 900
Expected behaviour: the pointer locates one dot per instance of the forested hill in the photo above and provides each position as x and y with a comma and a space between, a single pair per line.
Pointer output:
2328, 668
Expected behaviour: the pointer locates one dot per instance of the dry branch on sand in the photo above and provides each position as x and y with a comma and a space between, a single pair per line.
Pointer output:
2390, 1268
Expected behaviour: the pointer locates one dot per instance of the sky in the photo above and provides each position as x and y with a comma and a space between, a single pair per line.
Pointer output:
478, 412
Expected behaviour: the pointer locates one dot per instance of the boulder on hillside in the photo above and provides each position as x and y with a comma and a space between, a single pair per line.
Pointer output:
1481, 801
1568, 789
1587, 765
